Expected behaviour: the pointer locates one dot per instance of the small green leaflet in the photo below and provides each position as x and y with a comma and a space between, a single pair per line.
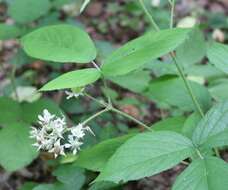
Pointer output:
145, 155
212, 130
73, 79
190, 124
60, 43
25, 11
206, 174
16, 146
218, 55
142, 50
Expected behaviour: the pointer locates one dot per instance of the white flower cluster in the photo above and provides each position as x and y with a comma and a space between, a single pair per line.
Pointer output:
54, 136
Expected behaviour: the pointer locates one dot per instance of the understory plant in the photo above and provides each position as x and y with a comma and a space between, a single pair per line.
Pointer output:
158, 147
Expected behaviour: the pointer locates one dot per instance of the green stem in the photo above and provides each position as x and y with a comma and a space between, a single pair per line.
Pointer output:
172, 13
95, 115
131, 118
12, 80
149, 15
104, 81
187, 85
109, 107
101, 102
199, 153
13, 83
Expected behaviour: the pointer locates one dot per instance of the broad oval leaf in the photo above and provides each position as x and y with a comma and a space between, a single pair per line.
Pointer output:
206, 174
171, 91
100, 153
24, 11
60, 43
16, 146
137, 52
193, 49
73, 79
145, 155
10, 111
212, 130
174, 124
70, 176
218, 55
135, 81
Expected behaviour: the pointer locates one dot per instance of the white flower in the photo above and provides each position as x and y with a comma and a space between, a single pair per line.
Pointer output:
34, 132
45, 118
79, 131
73, 143
57, 149
53, 132
58, 126
72, 94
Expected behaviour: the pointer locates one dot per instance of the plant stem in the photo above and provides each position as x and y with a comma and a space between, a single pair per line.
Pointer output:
149, 15
95, 115
109, 107
131, 118
172, 13
101, 102
199, 154
12, 79
188, 87
104, 81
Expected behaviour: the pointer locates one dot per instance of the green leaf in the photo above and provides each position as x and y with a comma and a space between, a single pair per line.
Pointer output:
28, 186
16, 147
136, 53
73, 79
170, 124
171, 91
193, 49
145, 155
10, 111
206, 174
104, 185
9, 32
71, 176
190, 124
60, 43
30, 111
212, 130
100, 153
25, 11
219, 89
135, 81
218, 55
46, 187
